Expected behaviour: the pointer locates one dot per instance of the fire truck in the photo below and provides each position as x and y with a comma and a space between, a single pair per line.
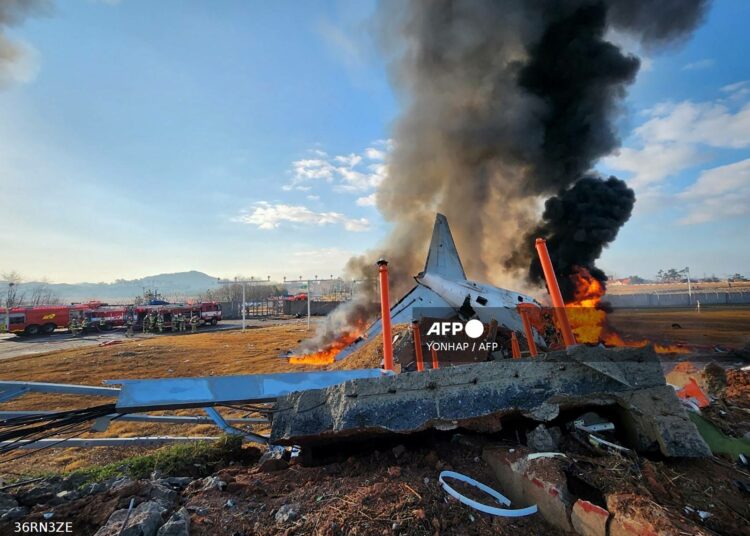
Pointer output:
207, 312
45, 319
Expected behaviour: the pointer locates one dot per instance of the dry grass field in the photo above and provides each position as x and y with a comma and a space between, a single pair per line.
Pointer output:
728, 326
259, 350
721, 286
219, 353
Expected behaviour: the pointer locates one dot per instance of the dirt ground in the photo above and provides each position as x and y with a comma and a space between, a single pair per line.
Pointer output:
729, 326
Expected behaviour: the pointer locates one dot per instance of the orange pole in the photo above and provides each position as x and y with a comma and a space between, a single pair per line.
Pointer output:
554, 291
523, 311
435, 362
385, 316
514, 347
417, 345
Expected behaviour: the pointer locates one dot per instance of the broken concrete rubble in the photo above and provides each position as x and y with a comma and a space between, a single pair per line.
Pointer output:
589, 519
627, 381
144, 520
541, 482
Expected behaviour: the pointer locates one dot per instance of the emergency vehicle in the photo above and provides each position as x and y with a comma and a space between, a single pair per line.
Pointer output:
44, 319
208, 312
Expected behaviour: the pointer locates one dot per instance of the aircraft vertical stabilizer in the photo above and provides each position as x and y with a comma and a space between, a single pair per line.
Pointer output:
442, 258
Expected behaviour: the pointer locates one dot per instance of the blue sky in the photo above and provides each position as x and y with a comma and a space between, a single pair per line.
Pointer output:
137, 139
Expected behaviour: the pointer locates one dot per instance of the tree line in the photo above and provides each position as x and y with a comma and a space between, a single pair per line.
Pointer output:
17, 294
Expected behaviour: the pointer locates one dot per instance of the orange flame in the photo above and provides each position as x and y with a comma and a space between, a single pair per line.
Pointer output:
589, 319
327, 355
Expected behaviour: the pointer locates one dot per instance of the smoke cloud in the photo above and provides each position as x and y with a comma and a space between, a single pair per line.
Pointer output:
507, 103
16, 58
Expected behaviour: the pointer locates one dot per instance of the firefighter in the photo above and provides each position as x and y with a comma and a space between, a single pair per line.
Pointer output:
194, 324
152, 321
85, 324
73, 326
180, 323
102, 324
146, 323
129, 324
160, 322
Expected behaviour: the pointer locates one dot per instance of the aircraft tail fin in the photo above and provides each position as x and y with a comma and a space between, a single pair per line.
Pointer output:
443, 259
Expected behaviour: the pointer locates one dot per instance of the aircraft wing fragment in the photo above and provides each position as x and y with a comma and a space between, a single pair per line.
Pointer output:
419, 297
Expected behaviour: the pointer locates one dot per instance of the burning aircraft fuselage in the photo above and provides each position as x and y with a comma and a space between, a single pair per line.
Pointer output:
443, 291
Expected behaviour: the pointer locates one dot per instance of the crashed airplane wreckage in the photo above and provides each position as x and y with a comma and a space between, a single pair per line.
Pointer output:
311, 409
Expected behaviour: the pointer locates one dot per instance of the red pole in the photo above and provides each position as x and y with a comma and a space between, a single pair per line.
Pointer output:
554, 291
514, 347
523, 311
417, 345
435, 362
385, 316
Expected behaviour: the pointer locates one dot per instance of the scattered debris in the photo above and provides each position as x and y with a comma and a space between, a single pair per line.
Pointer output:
520, 512
288, 512
627, 378
542, 439
694, 393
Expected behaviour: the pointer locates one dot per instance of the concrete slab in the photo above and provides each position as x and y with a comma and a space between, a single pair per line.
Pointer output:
478, 396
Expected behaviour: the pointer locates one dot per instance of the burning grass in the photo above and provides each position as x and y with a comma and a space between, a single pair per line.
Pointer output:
327, 355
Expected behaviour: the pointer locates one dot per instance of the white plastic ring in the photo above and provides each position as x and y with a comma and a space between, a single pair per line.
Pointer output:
492, 510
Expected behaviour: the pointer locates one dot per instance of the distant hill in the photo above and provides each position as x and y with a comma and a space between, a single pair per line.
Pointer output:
174, 286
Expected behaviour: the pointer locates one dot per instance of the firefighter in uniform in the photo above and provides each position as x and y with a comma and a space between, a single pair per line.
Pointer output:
160, 322
194, 324
129, 324
146, 323
180, 323
73, 326
85, 323
152, 321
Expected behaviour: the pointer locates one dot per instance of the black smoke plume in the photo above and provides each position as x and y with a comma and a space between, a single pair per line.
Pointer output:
505, 104
578, 223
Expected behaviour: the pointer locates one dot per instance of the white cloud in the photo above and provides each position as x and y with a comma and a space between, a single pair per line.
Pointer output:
678, 136
366, 201
698, 65
374, 154
708, 123
654, 162
313, 169
351, 172
350, 160
313, 197
719, 192
270, 216
738, 90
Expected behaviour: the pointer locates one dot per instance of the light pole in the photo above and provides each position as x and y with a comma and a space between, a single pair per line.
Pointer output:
243, 282
308, 305
7, 306
690, 290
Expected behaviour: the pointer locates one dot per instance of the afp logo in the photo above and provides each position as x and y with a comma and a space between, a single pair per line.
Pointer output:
473, 328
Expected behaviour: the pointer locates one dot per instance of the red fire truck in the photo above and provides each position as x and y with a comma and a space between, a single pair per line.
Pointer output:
208, 312
44, 319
